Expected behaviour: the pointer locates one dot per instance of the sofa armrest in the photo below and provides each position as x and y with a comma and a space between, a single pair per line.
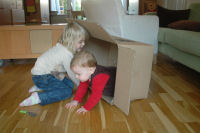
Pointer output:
142, 28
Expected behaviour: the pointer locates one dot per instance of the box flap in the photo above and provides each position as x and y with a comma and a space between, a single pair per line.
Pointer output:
142, 67
124, 78
133, 73
95, 30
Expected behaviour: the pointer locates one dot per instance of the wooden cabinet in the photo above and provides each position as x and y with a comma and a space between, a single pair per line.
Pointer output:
16, 41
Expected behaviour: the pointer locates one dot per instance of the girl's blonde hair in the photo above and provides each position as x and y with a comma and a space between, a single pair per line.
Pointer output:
72, 33
83, 59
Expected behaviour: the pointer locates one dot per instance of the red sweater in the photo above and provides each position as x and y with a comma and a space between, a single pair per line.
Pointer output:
98, 84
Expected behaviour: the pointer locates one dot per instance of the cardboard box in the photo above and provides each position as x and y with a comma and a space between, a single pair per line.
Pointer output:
132, 59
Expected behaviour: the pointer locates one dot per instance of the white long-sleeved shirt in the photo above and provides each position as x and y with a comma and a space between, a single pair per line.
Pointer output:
57, 58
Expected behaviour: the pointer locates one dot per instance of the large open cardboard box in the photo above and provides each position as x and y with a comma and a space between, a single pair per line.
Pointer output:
132, 59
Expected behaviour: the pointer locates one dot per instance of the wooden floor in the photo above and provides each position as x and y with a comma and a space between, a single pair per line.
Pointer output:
173, 106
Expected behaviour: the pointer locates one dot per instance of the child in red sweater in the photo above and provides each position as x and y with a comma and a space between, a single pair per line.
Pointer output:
100, 79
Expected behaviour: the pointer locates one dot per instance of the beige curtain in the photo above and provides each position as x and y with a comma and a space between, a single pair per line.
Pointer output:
173, 4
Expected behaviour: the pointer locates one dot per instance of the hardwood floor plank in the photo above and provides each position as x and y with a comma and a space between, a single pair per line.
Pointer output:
195, 126
189, 128
156, 123
60, 110
25, 130
166, 87
180, 113
42, 117
2, 113
165, 121
103, 120
141, 118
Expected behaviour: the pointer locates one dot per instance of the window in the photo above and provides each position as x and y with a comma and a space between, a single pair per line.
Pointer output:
63, 7
76, 5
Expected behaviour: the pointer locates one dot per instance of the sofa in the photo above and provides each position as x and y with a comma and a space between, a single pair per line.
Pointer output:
180, 40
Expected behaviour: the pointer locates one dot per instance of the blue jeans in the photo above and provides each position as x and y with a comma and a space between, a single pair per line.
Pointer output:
53, 89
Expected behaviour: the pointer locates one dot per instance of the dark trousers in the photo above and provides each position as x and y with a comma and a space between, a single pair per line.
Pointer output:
53, 89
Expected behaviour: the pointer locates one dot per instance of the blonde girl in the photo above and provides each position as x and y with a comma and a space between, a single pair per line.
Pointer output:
50, 84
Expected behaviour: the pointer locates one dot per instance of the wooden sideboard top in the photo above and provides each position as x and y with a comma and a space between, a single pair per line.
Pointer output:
32, 27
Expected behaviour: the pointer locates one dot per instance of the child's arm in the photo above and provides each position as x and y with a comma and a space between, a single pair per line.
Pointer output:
71, 75
80, 93
98, 85
82, 90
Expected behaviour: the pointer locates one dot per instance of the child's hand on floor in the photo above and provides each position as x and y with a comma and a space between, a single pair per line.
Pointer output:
81, 110
72, 104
